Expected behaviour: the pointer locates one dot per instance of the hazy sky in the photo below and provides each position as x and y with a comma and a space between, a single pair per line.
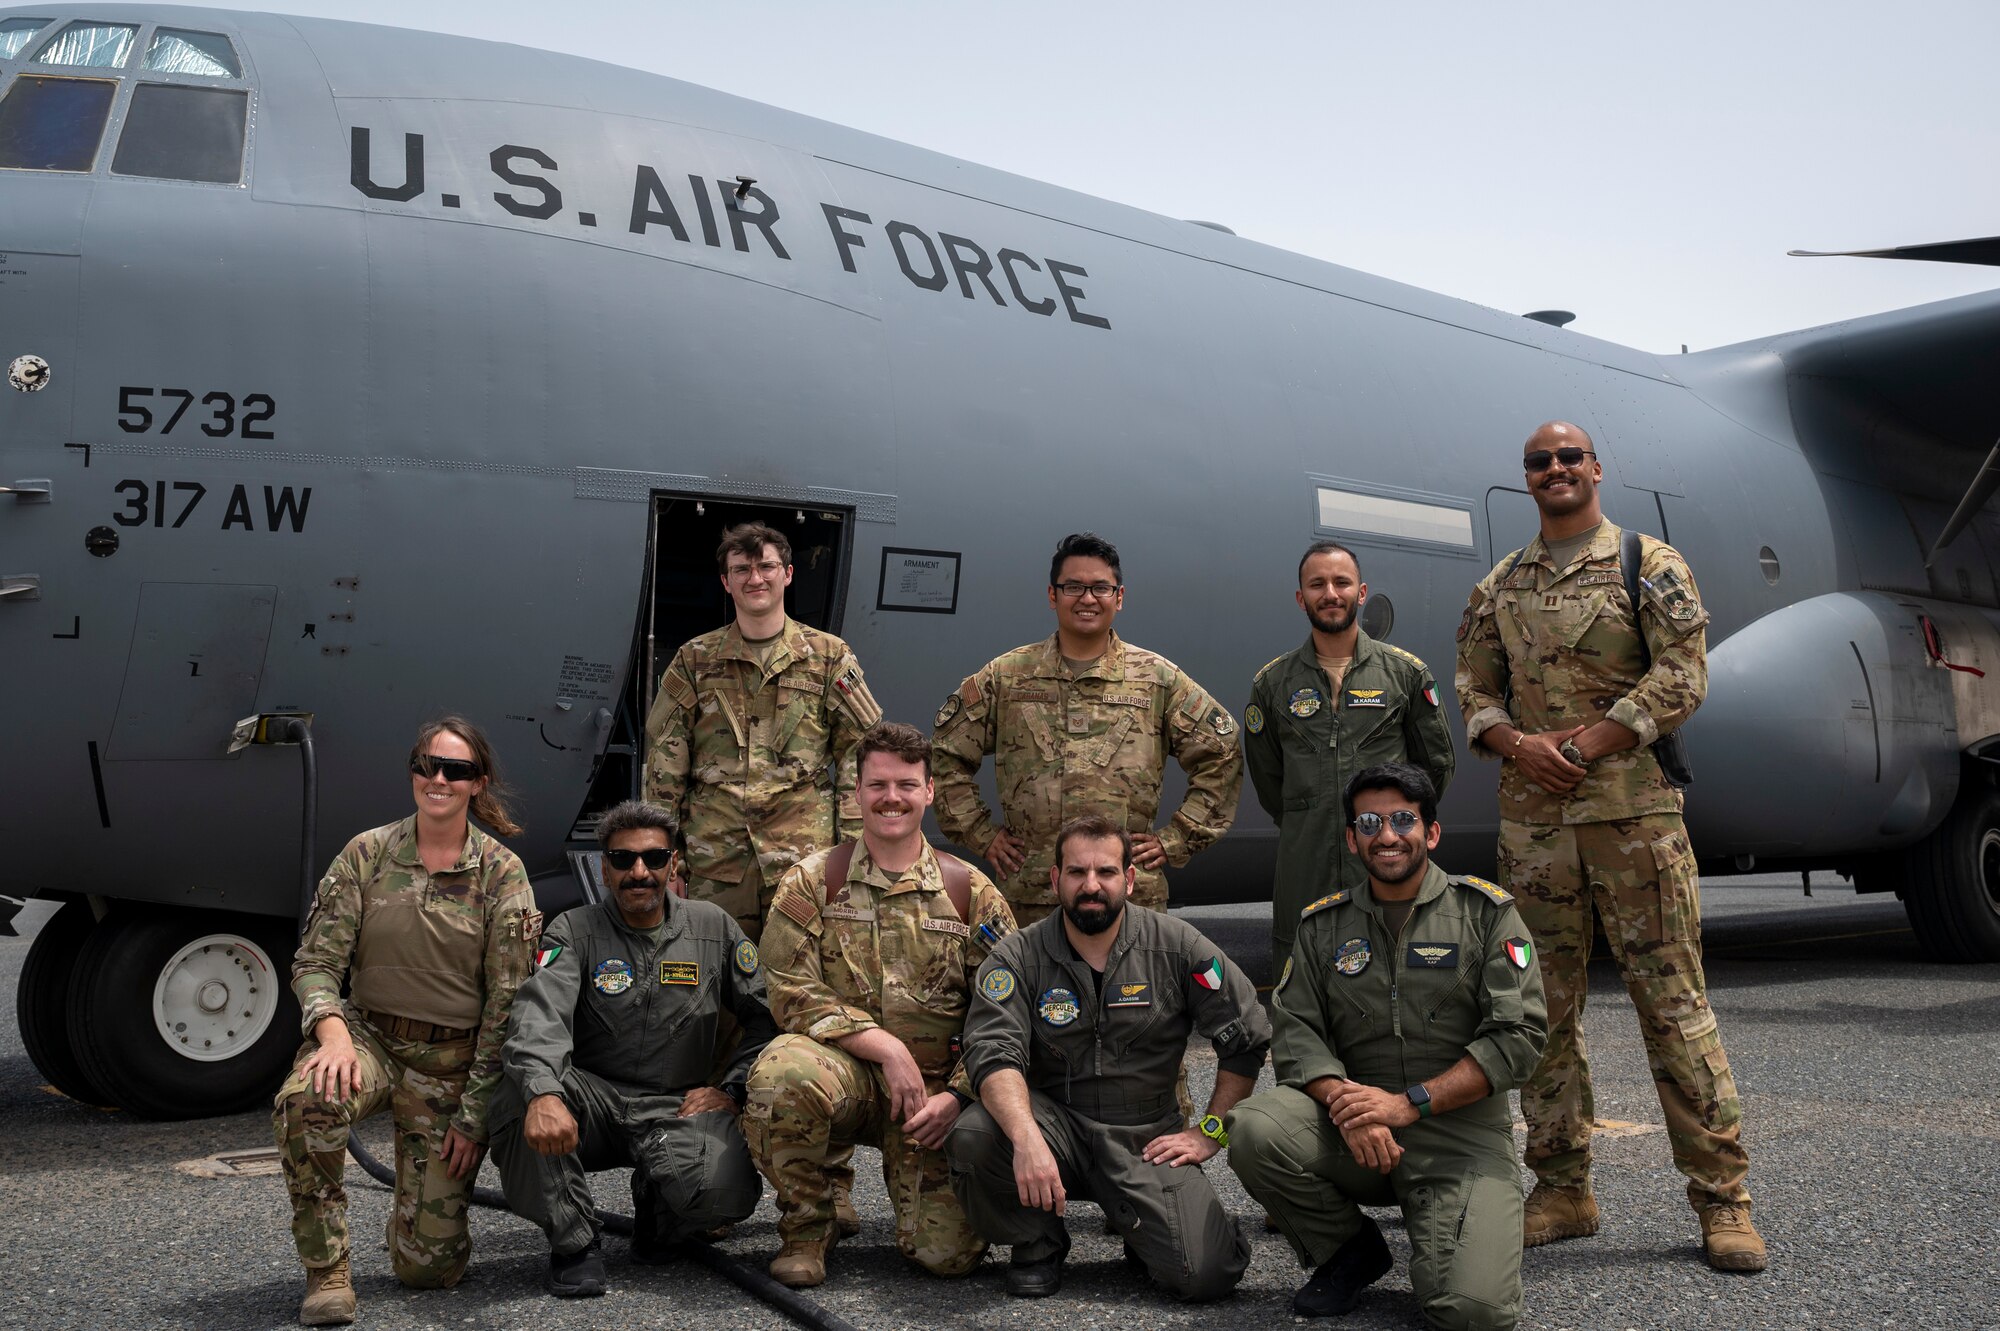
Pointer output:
1646, 165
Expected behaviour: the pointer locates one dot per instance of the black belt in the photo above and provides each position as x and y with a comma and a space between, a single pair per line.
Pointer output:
408, 1028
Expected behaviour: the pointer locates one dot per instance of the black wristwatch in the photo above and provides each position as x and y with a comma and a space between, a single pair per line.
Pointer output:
737, 1092
1421, 1098
964, 1100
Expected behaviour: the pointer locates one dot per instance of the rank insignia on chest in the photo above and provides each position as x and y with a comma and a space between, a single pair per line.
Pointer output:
1352, 957
1519, 951
1059, 1007
1253, 719
998, 984
680, 972
1436, 956
1130, 995
746, 957
1304, 703
612, 977
1366, 698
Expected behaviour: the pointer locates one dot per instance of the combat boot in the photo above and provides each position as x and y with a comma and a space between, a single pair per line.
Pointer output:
1552, 1213
1354, 1266
1729, 1240
845, 1218
329, 1296
801, 1263
577, 1275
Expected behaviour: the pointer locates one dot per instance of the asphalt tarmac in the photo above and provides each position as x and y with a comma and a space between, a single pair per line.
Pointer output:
1868, 1081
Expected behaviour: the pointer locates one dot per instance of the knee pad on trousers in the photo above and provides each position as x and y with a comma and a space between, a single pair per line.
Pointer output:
426, 1275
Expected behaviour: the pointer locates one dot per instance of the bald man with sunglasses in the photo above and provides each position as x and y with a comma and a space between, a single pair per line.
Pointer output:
1570, 684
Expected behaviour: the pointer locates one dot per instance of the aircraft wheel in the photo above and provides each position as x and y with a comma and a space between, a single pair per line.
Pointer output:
185, 1014
42, 1002
1952, 889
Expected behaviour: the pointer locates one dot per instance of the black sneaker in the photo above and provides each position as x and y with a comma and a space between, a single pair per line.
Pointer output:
1360, 1262
1037, 1279
578, 1275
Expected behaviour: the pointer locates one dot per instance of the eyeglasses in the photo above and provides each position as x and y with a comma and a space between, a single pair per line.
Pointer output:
1539, 459
1076, 591
770, 568
1402, 822
656, 857
427, 765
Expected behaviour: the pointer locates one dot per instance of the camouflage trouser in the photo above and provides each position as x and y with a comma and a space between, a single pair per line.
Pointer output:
807, 1099
420, 1084
1641, 874
1457, 1184
1169, 1214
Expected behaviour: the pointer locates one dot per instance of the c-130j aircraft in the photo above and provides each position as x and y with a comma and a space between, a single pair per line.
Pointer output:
366, 374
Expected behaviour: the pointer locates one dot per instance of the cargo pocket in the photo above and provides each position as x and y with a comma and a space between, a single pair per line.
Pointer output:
1708, 1078
1465, 1266
1680, 888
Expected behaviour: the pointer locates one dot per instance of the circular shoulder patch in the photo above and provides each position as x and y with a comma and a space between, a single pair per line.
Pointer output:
948, 711
1253, 719
1285, 975
998, 984
612, 977
1059, 1007
746, 957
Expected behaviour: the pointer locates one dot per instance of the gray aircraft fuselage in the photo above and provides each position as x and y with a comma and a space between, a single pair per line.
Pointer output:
375, 433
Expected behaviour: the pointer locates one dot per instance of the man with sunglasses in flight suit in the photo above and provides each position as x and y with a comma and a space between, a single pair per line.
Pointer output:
608, 1062
1552, 681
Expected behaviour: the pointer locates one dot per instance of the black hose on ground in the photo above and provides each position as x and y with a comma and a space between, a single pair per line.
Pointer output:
757, 1284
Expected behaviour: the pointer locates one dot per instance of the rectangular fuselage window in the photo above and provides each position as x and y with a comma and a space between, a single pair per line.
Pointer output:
53, 124
175, 132
1399, 519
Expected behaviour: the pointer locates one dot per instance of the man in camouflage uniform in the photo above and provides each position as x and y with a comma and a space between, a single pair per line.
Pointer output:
750, 747
431, 961
750, 737
1318, 715
1079, 723
869, 954
608, 1063
1550, 681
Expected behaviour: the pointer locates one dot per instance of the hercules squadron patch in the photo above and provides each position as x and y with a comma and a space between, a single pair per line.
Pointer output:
998, 984
1353, 957
746, 957
1059, 1007
1304, 703
1253, 719
612, 977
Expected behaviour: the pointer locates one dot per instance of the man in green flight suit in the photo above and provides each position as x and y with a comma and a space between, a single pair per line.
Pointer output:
1410, 1007
1341, 702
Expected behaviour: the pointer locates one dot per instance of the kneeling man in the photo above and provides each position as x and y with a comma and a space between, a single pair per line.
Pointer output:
1074, 1043
608, 1058
1408, 1009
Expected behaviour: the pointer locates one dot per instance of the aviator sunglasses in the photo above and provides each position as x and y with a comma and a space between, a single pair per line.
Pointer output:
656, 858
1402, 822
1539, 459
427, 765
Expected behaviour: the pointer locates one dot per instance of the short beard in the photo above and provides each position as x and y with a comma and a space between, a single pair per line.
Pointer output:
1100, 918
1416, 864
1334, 623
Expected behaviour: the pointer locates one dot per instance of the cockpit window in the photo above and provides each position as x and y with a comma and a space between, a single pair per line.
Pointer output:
183, 132
53, 124
96, 45
15, 32
174, 51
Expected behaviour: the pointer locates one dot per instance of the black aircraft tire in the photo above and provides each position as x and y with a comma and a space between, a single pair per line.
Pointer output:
1951, 888
42, 1003
151, 982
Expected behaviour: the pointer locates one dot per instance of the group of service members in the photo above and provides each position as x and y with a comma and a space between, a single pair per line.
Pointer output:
783, 967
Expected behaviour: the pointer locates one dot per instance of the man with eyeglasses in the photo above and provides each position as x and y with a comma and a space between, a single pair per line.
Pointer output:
1408, 1009
1341, 702
608, 1062
1083, 722
1553, 680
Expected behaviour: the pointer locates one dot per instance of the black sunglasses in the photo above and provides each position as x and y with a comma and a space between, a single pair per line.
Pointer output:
1539, 459
656, 857
428, 765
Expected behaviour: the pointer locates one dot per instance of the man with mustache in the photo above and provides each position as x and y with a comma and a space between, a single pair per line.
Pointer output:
1553, 680
1341, 702
608, 1062
1409, 1008
1073, 1043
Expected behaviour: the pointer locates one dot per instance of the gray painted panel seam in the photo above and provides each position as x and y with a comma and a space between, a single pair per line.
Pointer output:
638, 486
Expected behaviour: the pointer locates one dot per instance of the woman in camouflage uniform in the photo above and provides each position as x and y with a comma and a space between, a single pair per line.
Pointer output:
428, 923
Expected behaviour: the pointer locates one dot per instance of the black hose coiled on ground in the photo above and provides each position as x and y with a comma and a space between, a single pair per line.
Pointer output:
757, 1284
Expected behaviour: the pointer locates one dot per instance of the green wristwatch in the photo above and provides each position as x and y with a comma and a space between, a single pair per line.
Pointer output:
1211, 1128
1421, 1098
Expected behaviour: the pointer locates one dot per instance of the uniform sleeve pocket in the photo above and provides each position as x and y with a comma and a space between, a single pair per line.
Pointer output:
1680, 888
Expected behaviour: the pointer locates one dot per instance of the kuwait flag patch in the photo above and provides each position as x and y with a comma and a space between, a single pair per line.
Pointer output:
1210, 976
546, 956
1431, 694
1519, 951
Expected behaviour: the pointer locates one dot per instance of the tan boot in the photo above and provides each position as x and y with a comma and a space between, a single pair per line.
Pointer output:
801, 1263
845, 1218
1730, 1241
329, 1296
1552, 1213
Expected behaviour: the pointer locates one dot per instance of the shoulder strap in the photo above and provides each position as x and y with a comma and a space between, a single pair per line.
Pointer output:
957, 877
1629, 556
838, 860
